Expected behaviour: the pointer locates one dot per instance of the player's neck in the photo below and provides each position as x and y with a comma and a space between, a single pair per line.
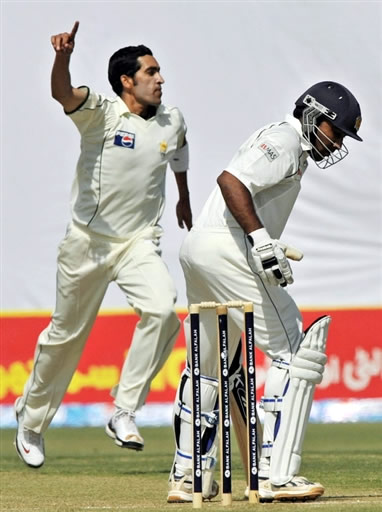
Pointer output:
135, 107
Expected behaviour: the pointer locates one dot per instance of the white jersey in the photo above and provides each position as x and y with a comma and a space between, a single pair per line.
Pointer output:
270, 164
119, 187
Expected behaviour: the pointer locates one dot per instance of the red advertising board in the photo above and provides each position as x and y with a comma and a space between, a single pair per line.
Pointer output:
354, 349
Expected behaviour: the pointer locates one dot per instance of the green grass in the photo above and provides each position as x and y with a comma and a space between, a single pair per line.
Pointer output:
85, 471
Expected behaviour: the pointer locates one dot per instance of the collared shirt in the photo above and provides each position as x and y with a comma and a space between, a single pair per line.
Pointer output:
119, 187
270, 164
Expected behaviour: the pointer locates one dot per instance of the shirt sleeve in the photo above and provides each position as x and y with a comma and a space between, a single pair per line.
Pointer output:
90, 113
182, 130
179, 162
263, 161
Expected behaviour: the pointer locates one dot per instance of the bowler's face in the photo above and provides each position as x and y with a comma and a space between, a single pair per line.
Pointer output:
148, 82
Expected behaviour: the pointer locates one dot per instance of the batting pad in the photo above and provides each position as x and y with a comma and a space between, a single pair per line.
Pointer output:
183, 429
306, 372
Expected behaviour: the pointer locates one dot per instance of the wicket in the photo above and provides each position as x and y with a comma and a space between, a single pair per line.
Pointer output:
224, 404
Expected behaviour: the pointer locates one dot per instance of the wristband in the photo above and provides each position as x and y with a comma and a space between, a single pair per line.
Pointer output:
257, 236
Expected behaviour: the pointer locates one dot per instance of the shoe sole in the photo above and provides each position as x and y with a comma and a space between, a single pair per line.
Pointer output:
132, 445
22, 458
178, 499
304, 497
314, 494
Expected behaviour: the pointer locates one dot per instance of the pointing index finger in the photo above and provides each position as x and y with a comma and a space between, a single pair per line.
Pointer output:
74, 30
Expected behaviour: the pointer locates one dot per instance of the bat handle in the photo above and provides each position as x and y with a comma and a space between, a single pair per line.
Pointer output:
293, 254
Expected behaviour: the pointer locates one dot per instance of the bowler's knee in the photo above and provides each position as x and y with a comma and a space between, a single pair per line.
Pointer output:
167, 314
162, 312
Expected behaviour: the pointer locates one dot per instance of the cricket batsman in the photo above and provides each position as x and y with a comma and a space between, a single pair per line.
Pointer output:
235, 252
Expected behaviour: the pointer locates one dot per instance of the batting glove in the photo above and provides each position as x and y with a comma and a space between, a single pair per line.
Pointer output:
270, 258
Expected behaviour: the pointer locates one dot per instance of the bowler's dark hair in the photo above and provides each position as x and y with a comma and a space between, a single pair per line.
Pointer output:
125, 62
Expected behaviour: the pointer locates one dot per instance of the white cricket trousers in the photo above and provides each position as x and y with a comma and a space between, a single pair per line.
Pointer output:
86, 264
217, 267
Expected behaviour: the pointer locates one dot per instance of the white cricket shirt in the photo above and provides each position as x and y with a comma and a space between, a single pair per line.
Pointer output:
119, 187
270, 164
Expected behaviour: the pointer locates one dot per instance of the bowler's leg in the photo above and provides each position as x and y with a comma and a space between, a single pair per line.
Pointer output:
80, 289
144, 278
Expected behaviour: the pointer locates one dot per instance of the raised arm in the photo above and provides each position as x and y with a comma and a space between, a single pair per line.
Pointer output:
62, 89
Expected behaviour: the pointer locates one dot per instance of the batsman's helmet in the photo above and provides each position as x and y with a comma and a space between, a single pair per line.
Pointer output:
332, 102
335, 102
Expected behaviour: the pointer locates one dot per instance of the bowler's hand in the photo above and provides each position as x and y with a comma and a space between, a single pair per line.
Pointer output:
64, 43
184, 214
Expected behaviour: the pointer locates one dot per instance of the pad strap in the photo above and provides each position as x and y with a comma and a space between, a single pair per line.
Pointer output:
281, 364
208, 419
272, 403
185, 460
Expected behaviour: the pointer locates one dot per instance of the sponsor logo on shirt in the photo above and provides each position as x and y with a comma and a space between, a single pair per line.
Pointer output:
269, 151
124, 139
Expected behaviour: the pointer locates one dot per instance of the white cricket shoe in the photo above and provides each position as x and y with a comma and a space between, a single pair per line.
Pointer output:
29, 445
123, 430
298, 489
180, 490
